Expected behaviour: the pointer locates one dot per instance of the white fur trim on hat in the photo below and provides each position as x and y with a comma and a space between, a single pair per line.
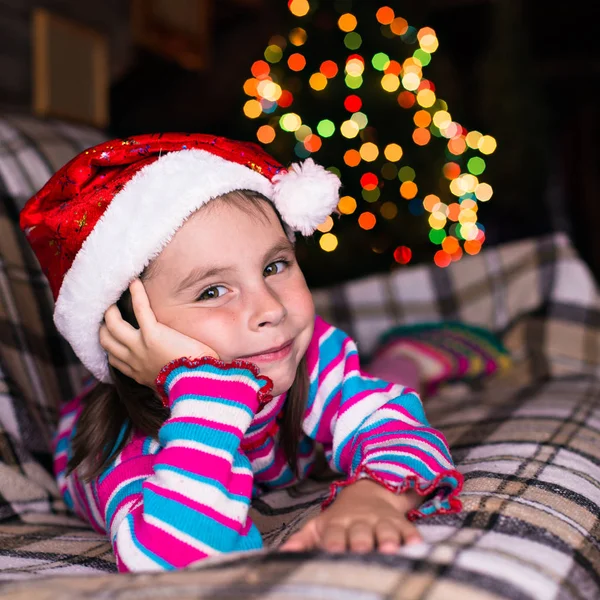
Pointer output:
306, 195
144, 216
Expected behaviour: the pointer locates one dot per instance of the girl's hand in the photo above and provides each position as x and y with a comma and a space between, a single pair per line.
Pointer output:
142, 353
365, 516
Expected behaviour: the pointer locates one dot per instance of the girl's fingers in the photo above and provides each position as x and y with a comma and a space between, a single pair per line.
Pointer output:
303, 540
141, 305
333, 538
120, 365
118, 328
360, 537
388, 537
111, 345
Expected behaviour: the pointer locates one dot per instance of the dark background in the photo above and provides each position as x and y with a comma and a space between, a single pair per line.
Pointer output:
522, 71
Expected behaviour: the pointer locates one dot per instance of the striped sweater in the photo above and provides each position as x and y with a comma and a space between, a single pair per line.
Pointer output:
167, 502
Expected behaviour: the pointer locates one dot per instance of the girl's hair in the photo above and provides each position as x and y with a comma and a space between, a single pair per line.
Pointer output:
112, 411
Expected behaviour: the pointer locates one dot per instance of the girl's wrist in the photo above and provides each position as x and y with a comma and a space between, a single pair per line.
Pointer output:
163, 380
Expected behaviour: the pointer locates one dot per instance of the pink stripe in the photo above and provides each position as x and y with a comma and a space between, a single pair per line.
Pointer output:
207, 465
240, 391
170, 548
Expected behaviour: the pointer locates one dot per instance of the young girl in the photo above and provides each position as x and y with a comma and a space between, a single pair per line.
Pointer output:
172, 264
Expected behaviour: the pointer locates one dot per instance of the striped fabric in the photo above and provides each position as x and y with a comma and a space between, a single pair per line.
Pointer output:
168, 503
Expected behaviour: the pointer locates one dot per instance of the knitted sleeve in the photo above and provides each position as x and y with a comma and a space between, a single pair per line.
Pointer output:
371, 428
170, 502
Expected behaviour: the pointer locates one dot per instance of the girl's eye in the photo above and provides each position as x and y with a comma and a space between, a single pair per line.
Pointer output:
275, 267
216, 291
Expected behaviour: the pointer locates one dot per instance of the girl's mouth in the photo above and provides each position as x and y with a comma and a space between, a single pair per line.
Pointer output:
271, 354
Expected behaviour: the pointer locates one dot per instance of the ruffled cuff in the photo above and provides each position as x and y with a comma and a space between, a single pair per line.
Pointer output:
441, 493
162, 383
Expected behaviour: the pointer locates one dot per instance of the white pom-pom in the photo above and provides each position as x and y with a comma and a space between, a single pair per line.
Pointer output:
306, 195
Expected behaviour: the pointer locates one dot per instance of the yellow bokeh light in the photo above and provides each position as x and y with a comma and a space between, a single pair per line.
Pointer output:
393, 152
326, 226
456, 188
487, 144
468, 182
411, 81
390, 82
430, 202
472, 139
426, 98
369, 152
347, 22
298, 36
469, 231
349, 129
318, 81
467, 216
265, 134
328, 242
290, 122
355, 67
484, 192
347, 205
437, 221
409, 190
269, 90
442, 119
469, 204
252, 109
429, 43
299, 8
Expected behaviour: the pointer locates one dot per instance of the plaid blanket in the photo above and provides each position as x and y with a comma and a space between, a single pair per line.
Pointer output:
526, 441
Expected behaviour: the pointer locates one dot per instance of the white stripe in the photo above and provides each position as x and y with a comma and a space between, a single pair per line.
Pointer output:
132, 557
221, 413
330, 382
203, 493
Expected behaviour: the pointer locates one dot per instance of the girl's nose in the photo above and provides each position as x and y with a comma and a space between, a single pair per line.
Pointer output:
267, 308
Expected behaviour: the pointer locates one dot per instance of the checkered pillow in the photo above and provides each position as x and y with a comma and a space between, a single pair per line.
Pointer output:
38, 369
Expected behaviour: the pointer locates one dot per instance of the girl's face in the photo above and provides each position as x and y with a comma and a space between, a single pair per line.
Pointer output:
229, 279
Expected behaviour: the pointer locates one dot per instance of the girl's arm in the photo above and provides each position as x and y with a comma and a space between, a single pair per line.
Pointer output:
169, 503
371, 428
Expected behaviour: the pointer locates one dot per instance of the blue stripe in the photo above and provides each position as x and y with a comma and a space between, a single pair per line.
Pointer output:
198, 526
194, 432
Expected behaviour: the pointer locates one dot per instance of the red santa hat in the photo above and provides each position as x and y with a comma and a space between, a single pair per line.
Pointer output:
106, 214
